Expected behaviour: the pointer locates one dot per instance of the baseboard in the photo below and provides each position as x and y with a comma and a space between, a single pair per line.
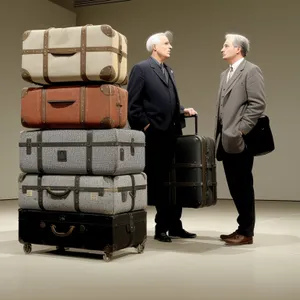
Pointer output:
264, 200
12, 199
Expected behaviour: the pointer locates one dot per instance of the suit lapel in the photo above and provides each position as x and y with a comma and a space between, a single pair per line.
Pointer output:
222, 85
157, 70
238, 72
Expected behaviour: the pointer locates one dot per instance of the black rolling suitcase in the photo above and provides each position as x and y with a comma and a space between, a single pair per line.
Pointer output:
107, 233
192, 180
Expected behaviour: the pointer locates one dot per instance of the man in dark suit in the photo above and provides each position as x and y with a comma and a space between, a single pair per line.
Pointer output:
154, 108
241, 103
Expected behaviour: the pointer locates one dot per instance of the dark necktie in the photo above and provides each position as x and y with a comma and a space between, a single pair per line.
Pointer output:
165, 73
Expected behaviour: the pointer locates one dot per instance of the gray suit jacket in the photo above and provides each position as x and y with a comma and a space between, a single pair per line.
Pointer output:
242, 101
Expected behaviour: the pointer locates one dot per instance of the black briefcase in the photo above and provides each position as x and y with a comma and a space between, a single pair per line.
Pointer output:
260, 139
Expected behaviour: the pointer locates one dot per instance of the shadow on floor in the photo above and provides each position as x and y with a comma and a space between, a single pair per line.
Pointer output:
206, 243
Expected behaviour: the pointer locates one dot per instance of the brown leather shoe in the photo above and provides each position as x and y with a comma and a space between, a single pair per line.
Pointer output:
239, 239
227, 236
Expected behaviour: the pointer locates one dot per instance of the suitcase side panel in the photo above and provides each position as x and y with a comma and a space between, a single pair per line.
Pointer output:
106, 106
125, 198
66, 152
63, 107
31, 108
189, 171
127, 158
58, 107
91, 232
195, 172
212, 174
123, 111
28, 155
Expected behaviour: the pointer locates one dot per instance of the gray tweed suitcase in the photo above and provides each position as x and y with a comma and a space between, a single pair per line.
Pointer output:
82, 152
107, 195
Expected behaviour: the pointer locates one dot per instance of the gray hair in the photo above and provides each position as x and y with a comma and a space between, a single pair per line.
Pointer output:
239, 41
155, 39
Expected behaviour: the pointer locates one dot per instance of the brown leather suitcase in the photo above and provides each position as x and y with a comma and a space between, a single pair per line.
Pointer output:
94, 106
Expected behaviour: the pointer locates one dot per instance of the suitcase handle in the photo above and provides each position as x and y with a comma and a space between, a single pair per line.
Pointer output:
196, 122
59, 194
62, 52
61, 101
62, 234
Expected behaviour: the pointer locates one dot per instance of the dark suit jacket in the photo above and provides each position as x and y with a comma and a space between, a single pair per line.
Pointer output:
149, 98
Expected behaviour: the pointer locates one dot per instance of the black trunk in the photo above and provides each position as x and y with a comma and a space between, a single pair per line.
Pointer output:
108, 233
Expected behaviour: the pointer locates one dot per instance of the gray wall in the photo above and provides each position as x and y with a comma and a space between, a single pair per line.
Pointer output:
199, 27
15, 18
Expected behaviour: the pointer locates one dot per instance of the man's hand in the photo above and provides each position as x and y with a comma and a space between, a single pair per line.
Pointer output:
189, 112
145, 128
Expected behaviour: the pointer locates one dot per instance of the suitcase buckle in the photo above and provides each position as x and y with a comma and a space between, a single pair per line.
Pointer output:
28, 146
61, 156
132, 147
130, 226
132, 195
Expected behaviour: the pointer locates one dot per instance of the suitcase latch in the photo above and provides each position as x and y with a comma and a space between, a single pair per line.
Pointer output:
120, 53
130, 226
132, 147
121, 154
28, 147
62, 156
124, 196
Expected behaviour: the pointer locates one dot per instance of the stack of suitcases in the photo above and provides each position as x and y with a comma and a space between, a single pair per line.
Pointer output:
83, 184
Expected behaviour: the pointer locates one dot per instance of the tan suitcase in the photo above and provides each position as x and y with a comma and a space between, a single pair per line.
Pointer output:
91, 53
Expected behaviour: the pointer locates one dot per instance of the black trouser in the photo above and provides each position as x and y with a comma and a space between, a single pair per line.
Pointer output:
159, 154
238, 171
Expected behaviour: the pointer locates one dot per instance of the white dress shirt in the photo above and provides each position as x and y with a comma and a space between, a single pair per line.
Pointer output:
234, 67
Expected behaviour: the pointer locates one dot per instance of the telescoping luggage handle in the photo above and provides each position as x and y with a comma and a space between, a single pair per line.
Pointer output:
196, 122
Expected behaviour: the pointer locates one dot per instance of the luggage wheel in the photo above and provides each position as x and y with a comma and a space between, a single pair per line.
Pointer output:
107, 256
61, 249
140, 248
108, 253
27, 248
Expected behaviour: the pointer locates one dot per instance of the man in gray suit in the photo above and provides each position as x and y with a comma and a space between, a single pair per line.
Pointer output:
241, 102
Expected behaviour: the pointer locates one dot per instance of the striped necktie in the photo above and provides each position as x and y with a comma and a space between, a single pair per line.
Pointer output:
229, 74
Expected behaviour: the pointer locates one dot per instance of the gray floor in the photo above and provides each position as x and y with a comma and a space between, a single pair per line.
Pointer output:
197, 269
